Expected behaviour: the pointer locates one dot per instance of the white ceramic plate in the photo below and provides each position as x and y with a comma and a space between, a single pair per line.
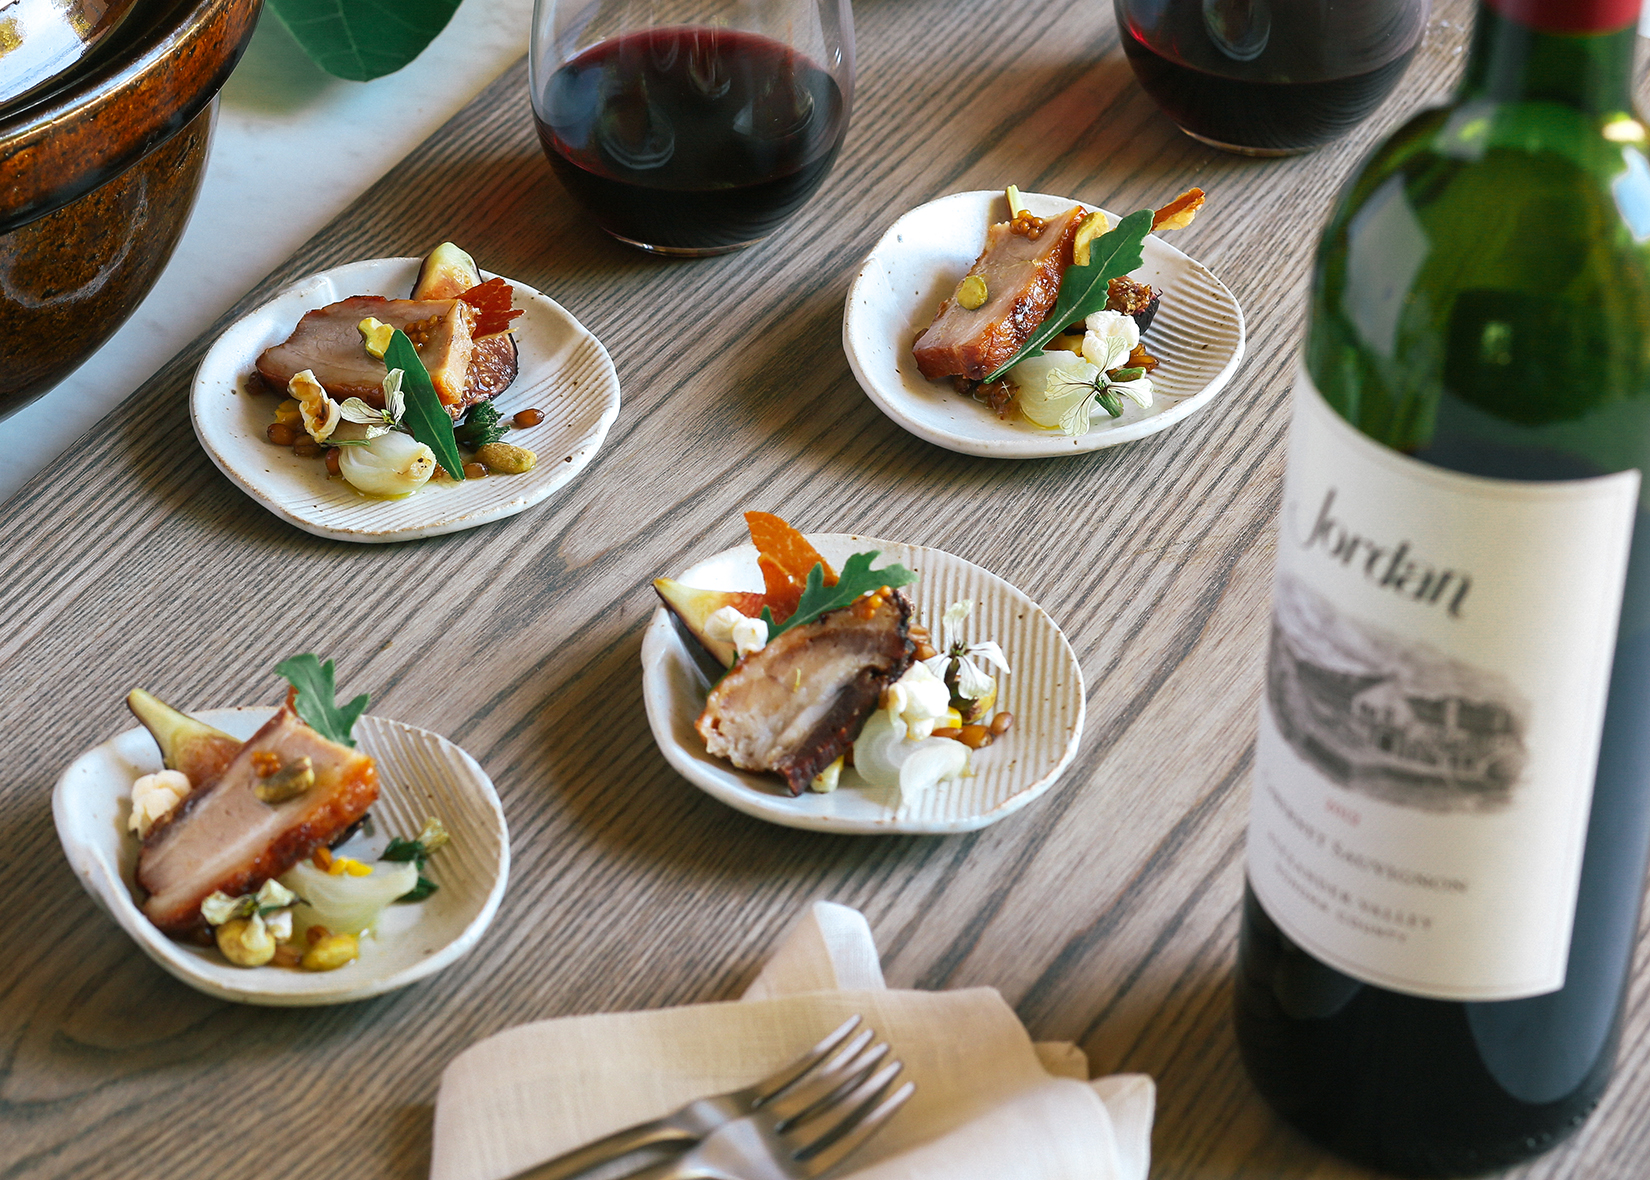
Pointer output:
1044, 692
420, 775
1197, 333
565, 372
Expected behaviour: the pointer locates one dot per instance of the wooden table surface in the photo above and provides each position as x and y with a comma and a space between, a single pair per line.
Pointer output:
1106, 912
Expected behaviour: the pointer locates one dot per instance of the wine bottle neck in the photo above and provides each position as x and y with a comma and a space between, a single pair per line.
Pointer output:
1576, 52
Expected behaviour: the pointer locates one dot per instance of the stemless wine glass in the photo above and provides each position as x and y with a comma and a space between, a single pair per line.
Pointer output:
1269, 77
691, 127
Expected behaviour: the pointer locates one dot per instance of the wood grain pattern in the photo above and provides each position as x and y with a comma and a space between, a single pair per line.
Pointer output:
1106, 912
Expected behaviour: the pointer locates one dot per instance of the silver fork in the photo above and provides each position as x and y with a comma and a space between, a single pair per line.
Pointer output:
816, 1074
800, 1136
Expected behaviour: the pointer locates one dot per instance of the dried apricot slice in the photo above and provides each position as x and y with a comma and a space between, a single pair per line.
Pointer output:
783, 592
1178, 213
787, 547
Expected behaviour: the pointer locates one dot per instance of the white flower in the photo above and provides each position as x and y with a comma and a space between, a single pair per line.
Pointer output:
279, 925
1065, 395
273, 895
1109, 338
1139, 391
378, 421
727, 624
219, 907
973, 682
320, 412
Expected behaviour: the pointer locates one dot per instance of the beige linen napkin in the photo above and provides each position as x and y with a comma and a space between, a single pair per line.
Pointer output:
989, 1104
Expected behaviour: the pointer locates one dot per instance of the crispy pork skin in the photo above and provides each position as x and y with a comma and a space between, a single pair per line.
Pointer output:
224, 837
328, 343
1022, 278
796, 706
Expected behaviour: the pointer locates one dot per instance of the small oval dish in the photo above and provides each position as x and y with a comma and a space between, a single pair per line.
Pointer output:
421, 774
1044, 692
565, 372
1198, 333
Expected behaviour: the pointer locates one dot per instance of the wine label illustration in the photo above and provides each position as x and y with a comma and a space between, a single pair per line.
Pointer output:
1435, 690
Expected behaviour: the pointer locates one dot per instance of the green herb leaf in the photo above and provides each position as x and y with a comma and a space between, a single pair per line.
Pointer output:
1083, 288
401, 851
426, 419
317, 698
857, 578
363, 39
482, 425
420, 891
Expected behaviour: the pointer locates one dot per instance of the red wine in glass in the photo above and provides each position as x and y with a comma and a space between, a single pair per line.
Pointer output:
1269, 77
690, 140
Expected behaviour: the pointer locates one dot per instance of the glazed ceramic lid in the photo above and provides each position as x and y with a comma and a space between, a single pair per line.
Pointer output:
46, 41
147, 77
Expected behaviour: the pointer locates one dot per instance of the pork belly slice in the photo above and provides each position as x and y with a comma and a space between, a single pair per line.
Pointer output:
798, 704
328, 343
224, 837
1022, 279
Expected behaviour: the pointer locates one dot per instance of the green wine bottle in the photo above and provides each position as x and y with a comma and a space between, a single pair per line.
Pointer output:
1451, 813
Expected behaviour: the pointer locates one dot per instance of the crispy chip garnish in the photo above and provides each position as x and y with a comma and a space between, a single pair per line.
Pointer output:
782, 593
492, 301
1178, 213
785, 558
785, 545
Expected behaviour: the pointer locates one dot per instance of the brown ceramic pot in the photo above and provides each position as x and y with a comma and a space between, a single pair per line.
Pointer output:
98, 172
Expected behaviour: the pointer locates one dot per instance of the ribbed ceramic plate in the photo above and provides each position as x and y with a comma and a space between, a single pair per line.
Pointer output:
565, 372
420, 774
1044, 692
1197, 333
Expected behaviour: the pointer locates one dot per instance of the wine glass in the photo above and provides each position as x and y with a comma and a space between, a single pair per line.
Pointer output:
691, 127
1269, 77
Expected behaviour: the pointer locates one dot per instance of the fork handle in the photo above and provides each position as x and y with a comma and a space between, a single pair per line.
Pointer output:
604, 1151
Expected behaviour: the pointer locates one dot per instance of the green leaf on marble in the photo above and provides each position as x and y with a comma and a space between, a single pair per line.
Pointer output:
363, 39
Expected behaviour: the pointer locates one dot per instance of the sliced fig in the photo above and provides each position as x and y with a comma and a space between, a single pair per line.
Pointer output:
493, 366
693, 606
447, 273
193, 747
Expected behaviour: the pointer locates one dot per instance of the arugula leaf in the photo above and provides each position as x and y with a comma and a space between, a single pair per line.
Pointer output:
317, 698
482, 425
426, 418
401, 851
420, 891
363, 39
857, 578
1083, 288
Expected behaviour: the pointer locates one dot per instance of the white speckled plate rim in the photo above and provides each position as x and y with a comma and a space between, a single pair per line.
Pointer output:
920, 258
92, 800
565, 372
673, 689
